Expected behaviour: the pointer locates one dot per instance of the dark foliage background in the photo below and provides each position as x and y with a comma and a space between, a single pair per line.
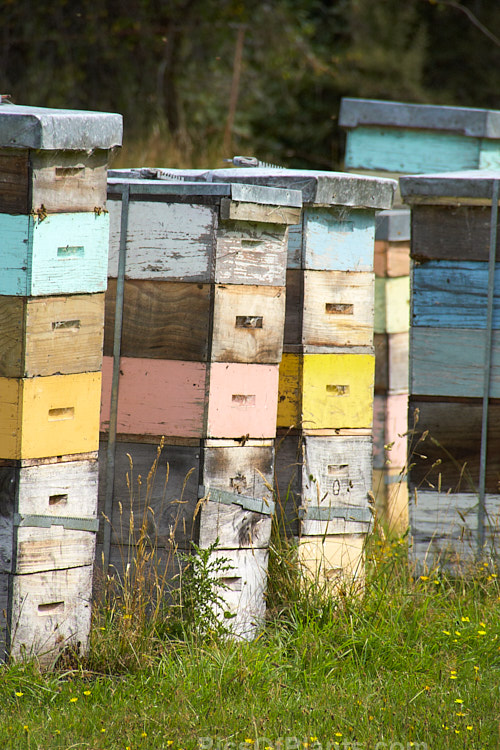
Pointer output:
213, 77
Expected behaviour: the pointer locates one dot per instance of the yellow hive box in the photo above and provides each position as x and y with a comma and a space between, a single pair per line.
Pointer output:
326, 391
49, 416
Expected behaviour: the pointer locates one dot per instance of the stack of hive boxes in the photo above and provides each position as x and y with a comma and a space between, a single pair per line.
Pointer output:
393, 139
203, 315
53, 166
325, 412
454, 375
392, 268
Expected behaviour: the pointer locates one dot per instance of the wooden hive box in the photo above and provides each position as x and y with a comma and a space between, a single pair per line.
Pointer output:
453, 341
396, 137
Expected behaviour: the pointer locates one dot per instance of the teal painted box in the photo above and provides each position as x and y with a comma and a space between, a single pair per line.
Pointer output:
415, 138
58, 254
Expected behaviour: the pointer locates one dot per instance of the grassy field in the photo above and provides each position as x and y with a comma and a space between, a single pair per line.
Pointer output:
410, 662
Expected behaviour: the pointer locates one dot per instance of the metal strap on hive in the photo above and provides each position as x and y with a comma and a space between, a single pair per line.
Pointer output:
315, 513
45, 522
254, 504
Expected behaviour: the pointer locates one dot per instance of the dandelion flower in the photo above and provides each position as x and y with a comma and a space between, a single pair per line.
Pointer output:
469, 728
465, 619
86, 692
446, 632
481, 632
143, 734
457, 632
424, 578
483, 624
458, 700
73, 700
19, 694
338, 734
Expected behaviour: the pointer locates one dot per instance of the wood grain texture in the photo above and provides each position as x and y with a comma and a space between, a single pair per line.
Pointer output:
156, 397
50, 335
338, 239
294, 253
248, 324
326, 472
392, 304
444, 529
250, 253
451, 294
245, 596
165, 241
155, 491
451, 233
326, 391
390, 490
334, 559
338, 308
161, 320
449, 456
381, 344
61, 181
50, 611
49, 416
56, 548
234, 527
242, 400
412, 151
294, 307
258, 212
450, 362
392, 258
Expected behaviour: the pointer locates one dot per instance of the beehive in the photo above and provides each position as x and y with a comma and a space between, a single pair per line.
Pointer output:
52, 278
454, 366
201, 296
327, 371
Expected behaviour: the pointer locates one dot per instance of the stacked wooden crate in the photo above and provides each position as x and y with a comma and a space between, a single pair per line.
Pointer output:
454, 356
325, 412
53, 166
197, 272
392, 296
393, 139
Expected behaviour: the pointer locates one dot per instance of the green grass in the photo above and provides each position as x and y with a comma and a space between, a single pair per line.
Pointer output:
408, 661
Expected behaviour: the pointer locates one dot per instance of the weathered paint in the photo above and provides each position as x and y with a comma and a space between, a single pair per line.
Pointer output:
390, 425
392, 304
417, 151
338, 239
49, 416
173, 241
49, 335
319, 391
156, 397
450, 362
335, 560
250, 253
447, 294
60, 254
242, 400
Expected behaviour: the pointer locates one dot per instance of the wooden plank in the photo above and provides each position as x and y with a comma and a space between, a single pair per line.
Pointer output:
294, 255
294, 306
14, 182
336, 560
241, 469
61, 254
451, 233
381, 342
161, 320
390, 490
392, 258
392, 304
326, 391
49, 612
329, 472
337, 390
242, 400
257, 212
338, 239
155, 494
49, 335
49, 416
449, 362
398, 362
338, 308
449, 456
411, 151
390, 430
165, 241
246, 588
446, 294
444, 528
157, 397
251, 253
248, 324
55, 548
